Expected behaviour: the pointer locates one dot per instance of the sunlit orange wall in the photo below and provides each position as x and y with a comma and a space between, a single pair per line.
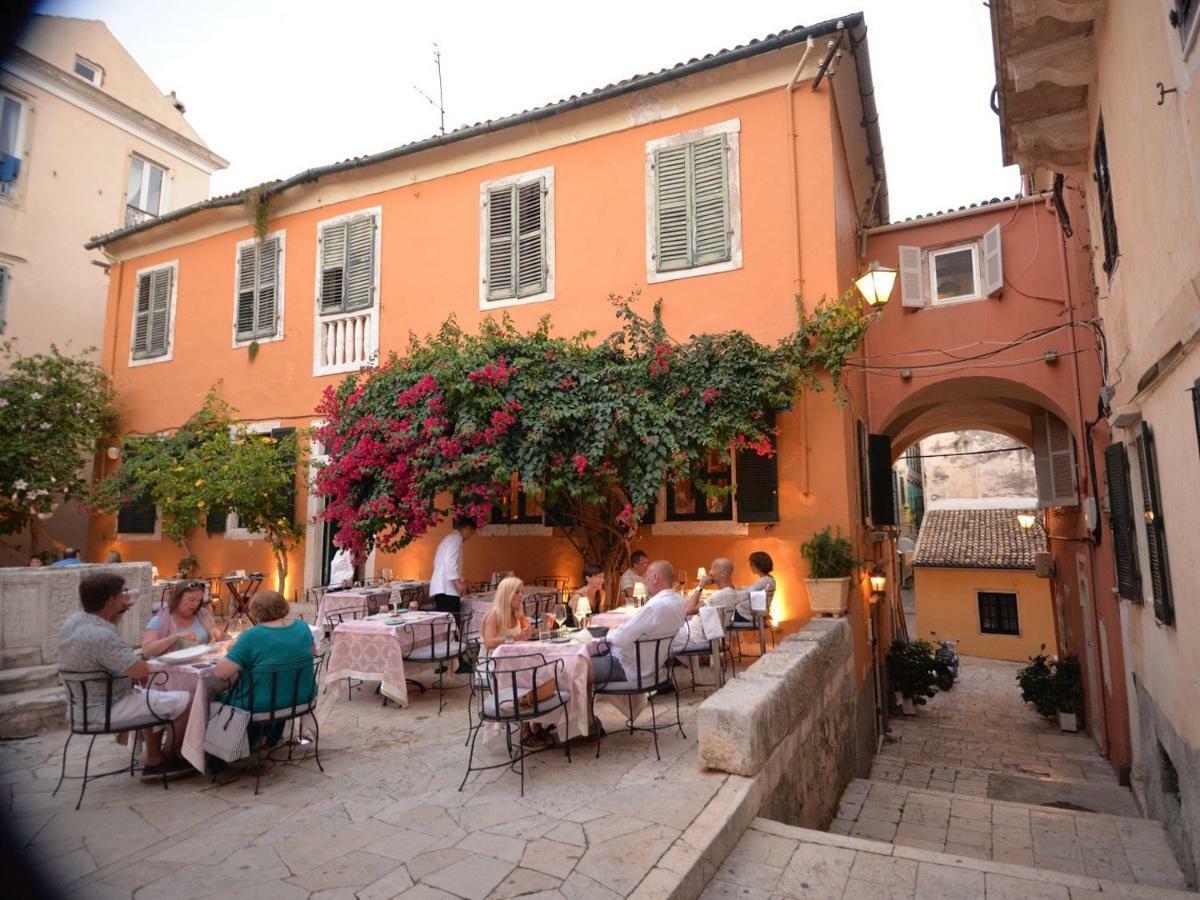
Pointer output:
430, 268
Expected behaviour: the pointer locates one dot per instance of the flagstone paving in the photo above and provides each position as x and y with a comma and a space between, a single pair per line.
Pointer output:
385, 819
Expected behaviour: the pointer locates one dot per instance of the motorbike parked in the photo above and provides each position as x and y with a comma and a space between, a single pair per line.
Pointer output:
946, 659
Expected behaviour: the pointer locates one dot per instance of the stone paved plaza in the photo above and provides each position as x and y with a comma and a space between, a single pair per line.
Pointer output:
384, 820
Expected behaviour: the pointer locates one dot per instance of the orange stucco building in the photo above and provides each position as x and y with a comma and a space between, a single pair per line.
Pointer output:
802, 173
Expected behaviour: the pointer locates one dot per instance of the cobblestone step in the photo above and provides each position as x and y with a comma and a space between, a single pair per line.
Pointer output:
785, 862
27, 678
12, 657
32, 712
1112, 847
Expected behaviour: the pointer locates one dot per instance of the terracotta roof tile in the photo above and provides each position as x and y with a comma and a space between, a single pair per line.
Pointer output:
977, 539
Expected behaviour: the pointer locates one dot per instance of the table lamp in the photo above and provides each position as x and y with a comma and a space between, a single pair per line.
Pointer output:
583, 609
700, 573
639, 593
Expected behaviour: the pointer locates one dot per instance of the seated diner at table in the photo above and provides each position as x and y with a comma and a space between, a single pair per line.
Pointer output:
719, 578
664, 614
273, 642
761, 565
90, 642
592, 591
181, 621
506, 623
635, 574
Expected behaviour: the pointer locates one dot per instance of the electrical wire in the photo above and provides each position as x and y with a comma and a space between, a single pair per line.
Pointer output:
1028, 337
997, 365
970, 452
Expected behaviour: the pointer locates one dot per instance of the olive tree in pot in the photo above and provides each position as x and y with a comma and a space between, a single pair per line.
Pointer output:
830, 561
914, 672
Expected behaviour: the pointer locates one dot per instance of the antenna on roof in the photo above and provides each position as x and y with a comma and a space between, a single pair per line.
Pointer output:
440, 102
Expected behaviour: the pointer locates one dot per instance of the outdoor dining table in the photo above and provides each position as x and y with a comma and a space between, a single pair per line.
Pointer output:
615, 618
576, 652
357, 599
374, 648
242, 589
197, 679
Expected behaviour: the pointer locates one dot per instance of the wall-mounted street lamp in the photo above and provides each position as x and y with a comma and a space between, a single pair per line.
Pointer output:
1026, 519
876, 284
878, 580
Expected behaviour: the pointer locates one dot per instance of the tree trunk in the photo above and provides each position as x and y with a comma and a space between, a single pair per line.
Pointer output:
281, 567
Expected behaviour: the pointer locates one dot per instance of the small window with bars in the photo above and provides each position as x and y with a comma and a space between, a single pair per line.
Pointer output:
259, 290
1108, 217
517, 241
998, 613
153, 308
347, 265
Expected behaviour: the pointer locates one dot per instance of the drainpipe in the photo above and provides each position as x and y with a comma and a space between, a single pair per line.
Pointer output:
1093, 625
797, 271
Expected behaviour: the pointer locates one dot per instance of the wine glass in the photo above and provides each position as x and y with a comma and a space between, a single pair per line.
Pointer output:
560, 614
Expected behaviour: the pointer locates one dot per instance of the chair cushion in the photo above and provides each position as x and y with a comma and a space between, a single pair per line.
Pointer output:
695, 649
431, 652
509, 710
633, 687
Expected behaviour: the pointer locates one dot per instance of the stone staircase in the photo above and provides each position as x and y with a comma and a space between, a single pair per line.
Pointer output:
31, 699
976, 796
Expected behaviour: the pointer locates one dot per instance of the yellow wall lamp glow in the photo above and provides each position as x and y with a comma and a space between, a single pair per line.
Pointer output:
876, 284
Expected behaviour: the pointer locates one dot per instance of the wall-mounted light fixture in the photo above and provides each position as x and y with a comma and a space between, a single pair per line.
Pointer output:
876, 284
1026, 519
878, 579
113, 452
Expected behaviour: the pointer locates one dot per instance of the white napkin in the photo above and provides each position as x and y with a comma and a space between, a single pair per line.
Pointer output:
710, 621
758, 601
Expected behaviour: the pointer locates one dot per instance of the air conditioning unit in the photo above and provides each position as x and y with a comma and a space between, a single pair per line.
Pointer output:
1043, 565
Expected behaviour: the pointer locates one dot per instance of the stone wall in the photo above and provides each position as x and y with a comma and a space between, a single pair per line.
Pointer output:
796, 723
34, 603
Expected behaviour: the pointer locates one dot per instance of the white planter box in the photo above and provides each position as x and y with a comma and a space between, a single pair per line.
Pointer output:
908, 707
828, 595
1068, 721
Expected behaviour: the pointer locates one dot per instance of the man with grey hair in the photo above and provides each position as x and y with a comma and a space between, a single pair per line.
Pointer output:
662, 616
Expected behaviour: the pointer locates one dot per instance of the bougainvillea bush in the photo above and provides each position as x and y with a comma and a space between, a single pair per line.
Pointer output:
53, 410
593, 426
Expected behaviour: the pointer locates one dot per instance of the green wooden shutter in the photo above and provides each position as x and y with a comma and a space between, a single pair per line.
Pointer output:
266, 312
1156, 535
214, 522
360, 263
531, 238
864, 477
141, 319
1120, 520
710, 201
757, 484
287, 499
1195, 389
672, 245
502, 254
247, 277
159, 318
879, 480
333, 268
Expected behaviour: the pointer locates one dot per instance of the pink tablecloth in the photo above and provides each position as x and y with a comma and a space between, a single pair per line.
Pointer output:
576, 656
613, 618
355, 599
198, 681
372, 650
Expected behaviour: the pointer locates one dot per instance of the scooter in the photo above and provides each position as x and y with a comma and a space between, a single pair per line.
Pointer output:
946, 658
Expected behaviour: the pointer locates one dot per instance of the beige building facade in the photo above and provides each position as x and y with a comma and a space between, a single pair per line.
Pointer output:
87, 143
1111, 89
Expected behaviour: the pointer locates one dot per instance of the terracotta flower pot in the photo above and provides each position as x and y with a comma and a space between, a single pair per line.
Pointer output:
828, 595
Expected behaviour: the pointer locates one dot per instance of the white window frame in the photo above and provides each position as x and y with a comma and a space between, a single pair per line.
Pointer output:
170, 354
280, 236
97, 69
233, 529
931, 273
8, 190
682, 527
547, 174
162, 195
373, 311
731, 129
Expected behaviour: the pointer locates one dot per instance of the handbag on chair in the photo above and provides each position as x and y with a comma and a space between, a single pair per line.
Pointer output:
225, 736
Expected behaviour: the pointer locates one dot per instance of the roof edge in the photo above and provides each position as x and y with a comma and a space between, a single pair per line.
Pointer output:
778, 41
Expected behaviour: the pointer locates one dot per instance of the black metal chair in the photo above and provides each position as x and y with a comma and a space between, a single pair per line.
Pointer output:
411, 595
334, 618
509, 680
85, 692
557, 582
440, 644
536, 604
695, 649
739, 626
652, 672
290, 693
479, 587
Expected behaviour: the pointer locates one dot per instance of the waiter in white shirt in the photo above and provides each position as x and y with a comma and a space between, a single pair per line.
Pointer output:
447, 585
341, 570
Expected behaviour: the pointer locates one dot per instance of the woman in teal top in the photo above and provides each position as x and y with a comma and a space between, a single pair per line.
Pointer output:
273, 642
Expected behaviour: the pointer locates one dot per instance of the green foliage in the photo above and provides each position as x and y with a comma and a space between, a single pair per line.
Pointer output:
258, 208
53, 410
595, 427
828, 556
212, 462
252, 351
1052, 685
914, 669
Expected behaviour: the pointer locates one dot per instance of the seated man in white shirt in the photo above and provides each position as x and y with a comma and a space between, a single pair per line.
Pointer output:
635, 575
662, 616
725, 597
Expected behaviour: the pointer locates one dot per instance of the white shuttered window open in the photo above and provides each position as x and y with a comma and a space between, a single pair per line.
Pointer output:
348, 265
912, 278
348, 302
516, 240
1054, 461
258, 289
152, 313
692, 226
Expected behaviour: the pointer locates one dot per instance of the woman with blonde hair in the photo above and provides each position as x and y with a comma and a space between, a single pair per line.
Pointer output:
504, 623
181, 621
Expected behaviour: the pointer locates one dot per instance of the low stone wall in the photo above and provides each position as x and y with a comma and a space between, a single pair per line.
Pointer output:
794, 723
34, 603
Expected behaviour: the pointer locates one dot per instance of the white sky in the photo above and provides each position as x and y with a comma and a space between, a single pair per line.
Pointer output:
277, 86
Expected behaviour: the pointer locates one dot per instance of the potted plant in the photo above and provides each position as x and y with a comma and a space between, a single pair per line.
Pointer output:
830, 561
1037, 683
1068, 692
914, 673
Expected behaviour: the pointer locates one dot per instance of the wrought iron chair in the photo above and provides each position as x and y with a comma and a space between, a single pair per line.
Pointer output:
557, 582
334, 618
438, 645
479, 587
652, 672
288, 691
536, 604
762, 618
410, 595
85, 692
509, 680
695, 649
